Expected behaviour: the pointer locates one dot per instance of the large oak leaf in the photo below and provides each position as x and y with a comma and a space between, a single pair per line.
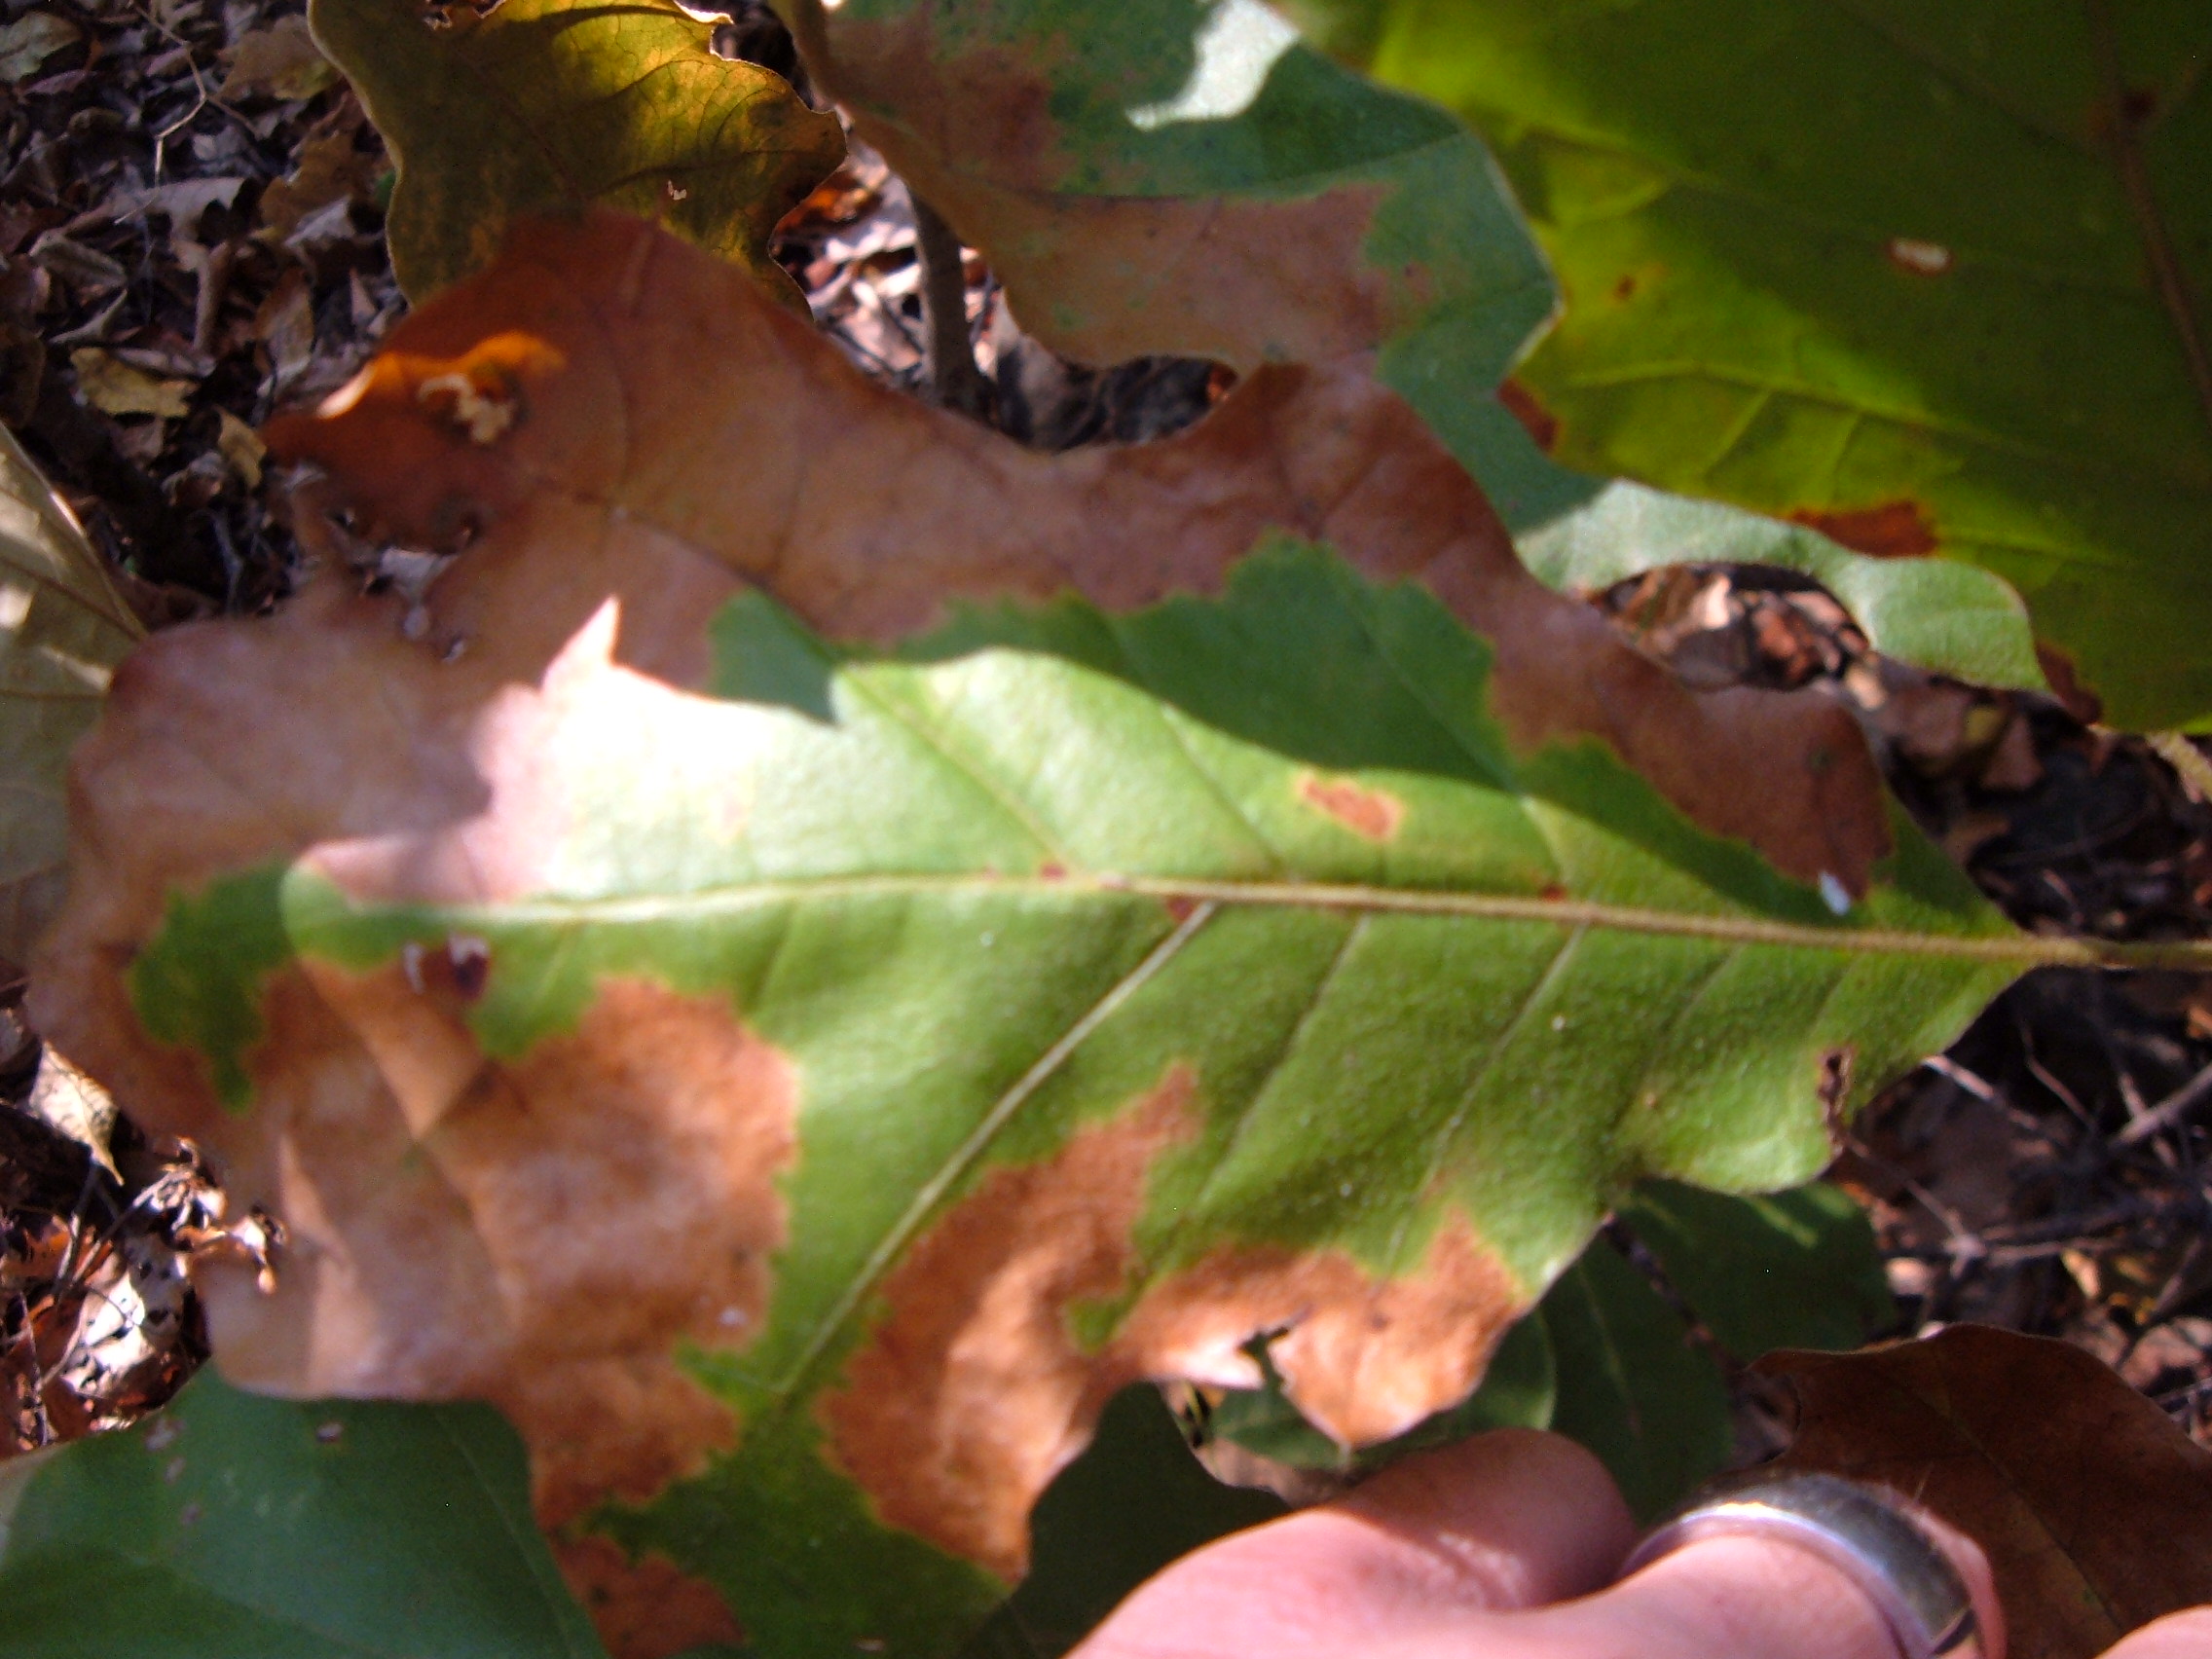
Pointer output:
801, 1081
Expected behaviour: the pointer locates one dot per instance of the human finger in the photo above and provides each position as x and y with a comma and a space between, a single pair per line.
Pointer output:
1740, 1596
1510, 1519
2185, 1634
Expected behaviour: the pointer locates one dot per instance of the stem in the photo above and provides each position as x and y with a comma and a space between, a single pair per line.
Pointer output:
954, 380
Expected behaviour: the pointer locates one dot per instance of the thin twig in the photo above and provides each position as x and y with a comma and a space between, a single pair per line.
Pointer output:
2169, 1111
954, 379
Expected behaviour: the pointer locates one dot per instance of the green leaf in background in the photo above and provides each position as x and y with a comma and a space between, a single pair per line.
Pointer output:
63, 627
1632, 1384
1792, 1269
538, 105
1935, 280
1136, 1500
1581, 534
232, 1527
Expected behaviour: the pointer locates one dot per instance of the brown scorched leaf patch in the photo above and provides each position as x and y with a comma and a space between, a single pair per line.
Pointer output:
590, 340
2094, 1509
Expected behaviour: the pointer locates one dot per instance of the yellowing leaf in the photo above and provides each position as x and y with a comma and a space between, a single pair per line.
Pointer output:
62, 627
113, 387
1202, 894
536, 105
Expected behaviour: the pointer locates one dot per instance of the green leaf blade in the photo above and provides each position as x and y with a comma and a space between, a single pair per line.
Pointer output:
231, 1527
1877, 266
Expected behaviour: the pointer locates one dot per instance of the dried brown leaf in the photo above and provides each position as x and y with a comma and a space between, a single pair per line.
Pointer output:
2094, 1510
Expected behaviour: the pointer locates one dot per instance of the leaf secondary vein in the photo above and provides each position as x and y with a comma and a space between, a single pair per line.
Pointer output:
933, 1191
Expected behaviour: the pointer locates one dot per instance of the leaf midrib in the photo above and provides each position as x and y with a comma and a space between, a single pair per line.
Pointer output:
1720, 926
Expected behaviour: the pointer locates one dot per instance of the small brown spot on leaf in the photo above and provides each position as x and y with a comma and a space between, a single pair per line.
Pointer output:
1521, 403
648, 1609
468, 959
1374, 815
1918, 258
1051, 870
1894, 530
1625, 289
1179, 906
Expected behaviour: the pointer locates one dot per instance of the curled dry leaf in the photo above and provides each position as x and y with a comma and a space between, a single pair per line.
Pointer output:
62, 628
801, 1082
2094, 1510
531, 106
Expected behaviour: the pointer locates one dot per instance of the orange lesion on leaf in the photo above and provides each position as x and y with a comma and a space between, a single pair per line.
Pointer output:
647, 1609
1373, 815
1894, 530
1363, 1356
541, 1231
972, 1391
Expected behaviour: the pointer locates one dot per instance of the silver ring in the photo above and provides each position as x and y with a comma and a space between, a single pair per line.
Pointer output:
1853, 1526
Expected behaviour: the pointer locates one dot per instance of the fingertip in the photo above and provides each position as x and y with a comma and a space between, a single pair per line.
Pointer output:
1531, 1515
2185, 1634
